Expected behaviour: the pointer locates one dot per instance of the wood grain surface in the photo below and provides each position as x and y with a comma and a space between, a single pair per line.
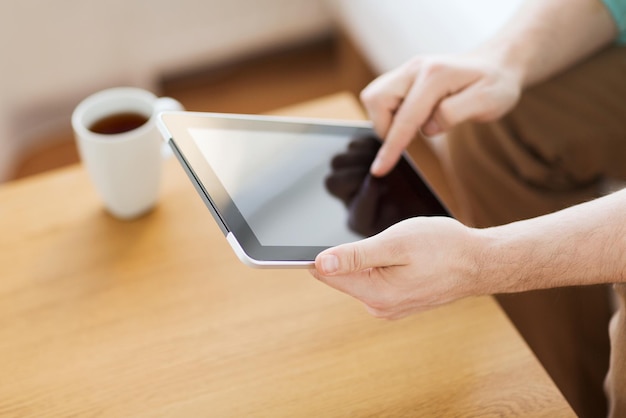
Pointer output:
157, 318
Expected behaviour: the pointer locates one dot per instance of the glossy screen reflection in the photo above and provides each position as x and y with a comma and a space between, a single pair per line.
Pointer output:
310, 189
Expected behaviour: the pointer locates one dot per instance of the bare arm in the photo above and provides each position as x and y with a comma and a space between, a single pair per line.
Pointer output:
424, 262
581, 245
545, 37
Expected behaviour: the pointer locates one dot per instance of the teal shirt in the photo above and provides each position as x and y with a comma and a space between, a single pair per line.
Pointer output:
618, 11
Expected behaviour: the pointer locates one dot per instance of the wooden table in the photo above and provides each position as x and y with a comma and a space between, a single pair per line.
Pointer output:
157, 317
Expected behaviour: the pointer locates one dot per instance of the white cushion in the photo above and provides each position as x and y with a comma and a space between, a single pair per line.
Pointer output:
390, 32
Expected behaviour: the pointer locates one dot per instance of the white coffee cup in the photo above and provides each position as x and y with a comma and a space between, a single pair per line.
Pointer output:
124, 167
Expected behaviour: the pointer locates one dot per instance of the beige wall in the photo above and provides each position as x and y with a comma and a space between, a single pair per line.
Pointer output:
54, 53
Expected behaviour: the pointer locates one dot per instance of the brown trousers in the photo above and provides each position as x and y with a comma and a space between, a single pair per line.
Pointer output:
555, 149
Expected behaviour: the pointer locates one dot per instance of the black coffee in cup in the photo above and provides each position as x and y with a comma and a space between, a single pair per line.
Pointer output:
118, 123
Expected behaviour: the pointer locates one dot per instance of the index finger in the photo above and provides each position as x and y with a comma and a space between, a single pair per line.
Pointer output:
432, 84
414, 111
382, 97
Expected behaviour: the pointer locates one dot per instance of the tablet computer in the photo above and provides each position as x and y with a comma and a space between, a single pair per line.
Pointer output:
284, 189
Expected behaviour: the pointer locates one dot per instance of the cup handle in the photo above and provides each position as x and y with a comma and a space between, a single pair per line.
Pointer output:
167, 103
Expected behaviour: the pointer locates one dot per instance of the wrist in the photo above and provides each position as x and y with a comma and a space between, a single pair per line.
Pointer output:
508, 56
479, 265
504, 260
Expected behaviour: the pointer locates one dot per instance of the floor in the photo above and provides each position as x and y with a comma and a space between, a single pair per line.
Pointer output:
255, 85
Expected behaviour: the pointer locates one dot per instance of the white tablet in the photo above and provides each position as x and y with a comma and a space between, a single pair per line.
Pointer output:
284, 189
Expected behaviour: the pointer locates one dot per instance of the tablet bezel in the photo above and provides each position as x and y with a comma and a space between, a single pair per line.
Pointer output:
175, 125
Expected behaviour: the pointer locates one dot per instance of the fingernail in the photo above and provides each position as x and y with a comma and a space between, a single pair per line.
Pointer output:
376, 165
330, 263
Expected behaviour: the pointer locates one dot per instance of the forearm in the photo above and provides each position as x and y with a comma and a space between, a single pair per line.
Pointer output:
545, 37
581, 245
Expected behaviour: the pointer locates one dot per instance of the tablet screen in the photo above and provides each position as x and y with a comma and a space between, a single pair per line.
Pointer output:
294, 188
277, 181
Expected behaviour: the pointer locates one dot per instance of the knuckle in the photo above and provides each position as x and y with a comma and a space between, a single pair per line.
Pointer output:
378, 313
484, 110
414, 65
384, 302
379, 100
400, 250
376, 89
355, 259
368, 95
446, 115
432, 68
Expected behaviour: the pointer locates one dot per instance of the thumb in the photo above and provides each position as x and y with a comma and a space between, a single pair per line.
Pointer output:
353, 257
